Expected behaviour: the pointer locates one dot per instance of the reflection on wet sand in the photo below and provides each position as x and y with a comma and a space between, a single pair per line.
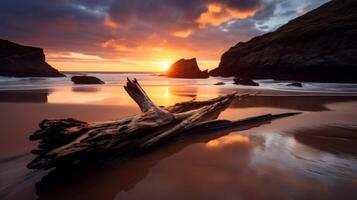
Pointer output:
186, 171
113, 95
333, 139
124, 176
86, 89
301, 157
165, 96
304, 103
39, 96
61, 175
183, 91
227, 140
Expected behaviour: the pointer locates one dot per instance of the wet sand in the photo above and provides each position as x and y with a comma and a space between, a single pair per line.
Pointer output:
308, 156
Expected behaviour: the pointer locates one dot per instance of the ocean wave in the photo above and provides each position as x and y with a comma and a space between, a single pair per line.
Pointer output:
152, 79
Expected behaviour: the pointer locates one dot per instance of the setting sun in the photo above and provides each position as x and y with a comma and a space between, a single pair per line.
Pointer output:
165, 65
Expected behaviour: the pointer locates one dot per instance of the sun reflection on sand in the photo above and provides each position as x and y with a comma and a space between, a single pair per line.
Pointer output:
163, 93
227, 140
285, 153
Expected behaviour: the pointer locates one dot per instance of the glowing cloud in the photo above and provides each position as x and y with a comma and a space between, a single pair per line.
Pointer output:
73, 55
110, 23
217, 14
119, 46
183, 33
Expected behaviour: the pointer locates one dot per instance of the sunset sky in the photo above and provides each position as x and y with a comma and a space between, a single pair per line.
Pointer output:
140, 35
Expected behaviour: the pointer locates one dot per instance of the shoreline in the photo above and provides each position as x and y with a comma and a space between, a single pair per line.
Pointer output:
291, 152
148, 80
281, 151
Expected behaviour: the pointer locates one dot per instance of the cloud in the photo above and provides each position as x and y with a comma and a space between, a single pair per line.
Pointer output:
218, 13
180, 17
149, 30
73, 56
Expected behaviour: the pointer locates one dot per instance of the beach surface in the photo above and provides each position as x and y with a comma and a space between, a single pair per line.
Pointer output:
308, 156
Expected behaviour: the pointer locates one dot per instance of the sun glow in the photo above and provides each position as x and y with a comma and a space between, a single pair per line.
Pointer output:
165, 65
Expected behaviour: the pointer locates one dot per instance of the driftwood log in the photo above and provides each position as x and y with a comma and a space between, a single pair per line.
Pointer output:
65, 143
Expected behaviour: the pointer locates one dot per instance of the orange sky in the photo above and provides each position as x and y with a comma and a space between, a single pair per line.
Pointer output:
156, 61
136, 35
155, 52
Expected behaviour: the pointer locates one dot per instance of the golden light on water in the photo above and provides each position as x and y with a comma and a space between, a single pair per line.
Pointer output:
116, 95
227, 140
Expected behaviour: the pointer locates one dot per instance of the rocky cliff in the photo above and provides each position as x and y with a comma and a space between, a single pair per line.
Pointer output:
186, 68
24, 61
318, 46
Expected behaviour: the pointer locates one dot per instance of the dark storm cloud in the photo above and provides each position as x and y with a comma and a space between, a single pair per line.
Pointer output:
171, 14
57, 24
20, 12
240, 4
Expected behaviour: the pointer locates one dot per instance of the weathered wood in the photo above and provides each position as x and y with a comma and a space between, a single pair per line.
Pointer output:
67, 142
192, 105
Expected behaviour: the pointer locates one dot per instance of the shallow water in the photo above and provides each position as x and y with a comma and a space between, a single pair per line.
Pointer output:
152, 79
283, 159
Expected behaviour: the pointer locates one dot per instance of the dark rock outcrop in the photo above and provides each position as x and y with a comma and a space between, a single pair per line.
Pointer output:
219, 83
186, 68
24, 61
245, 81
295, 84
86, 80
320, 46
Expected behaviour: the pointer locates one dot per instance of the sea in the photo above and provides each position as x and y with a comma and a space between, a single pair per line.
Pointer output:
312, 155
154, 79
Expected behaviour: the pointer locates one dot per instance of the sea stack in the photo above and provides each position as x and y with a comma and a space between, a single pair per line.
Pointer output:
86, 80
186, 68
320, 46
24, 61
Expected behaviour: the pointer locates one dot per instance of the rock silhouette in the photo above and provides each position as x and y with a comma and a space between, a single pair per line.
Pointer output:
244, 81
24, 61
319, 46
86, 80
186, 68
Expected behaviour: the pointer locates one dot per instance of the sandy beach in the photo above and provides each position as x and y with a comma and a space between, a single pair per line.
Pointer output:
308, 156
178, 100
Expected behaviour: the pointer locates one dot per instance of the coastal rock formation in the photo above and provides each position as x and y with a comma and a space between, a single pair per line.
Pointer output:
86, 80
186, 68
245, 81
320, 46
24, 61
